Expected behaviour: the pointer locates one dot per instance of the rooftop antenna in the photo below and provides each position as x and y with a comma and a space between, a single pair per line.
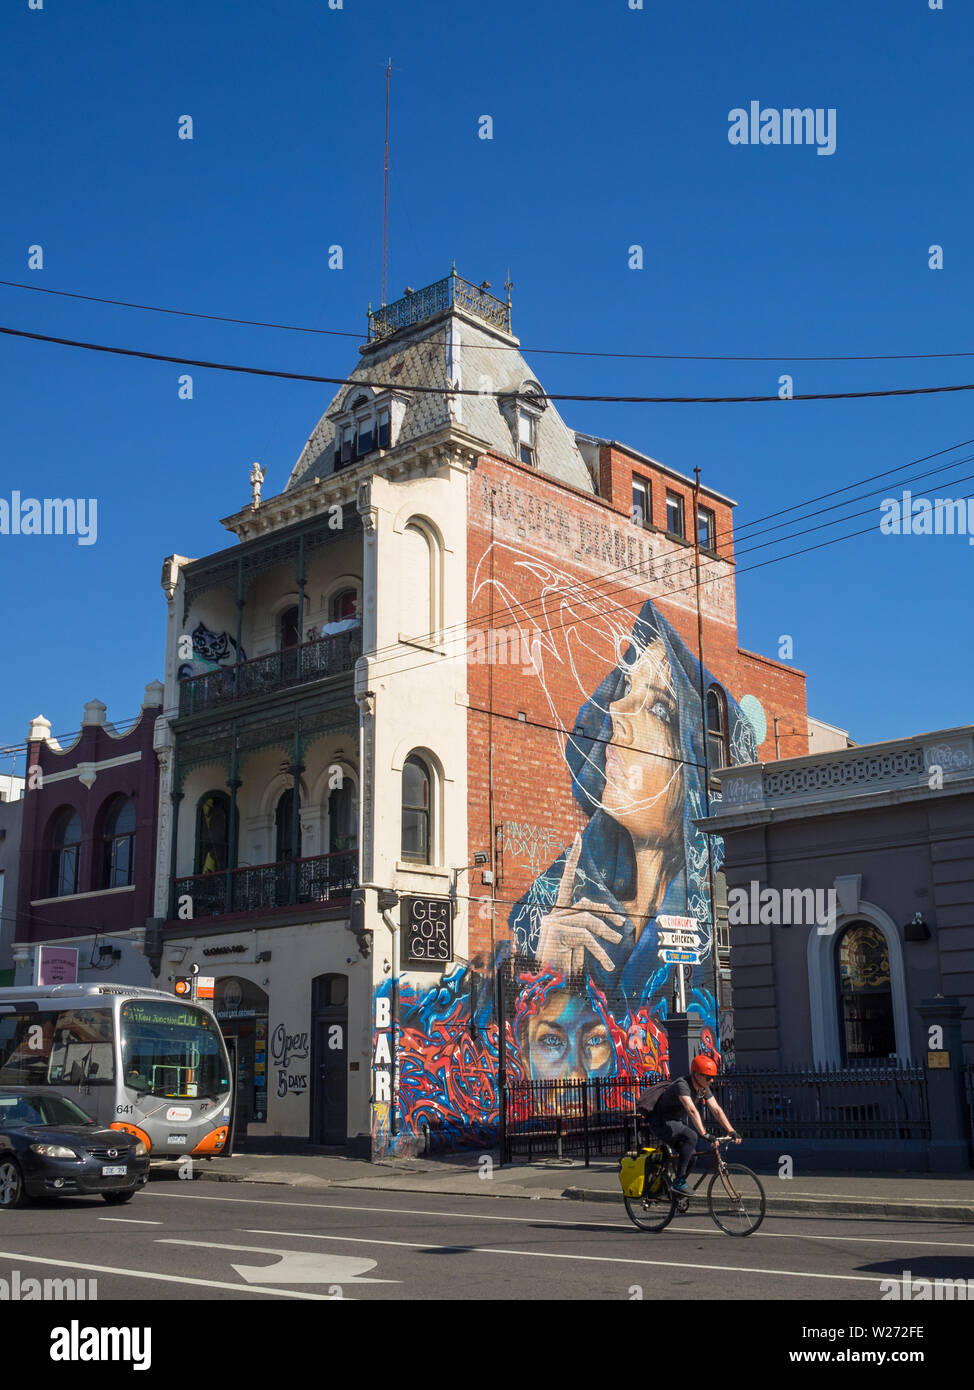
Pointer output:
385, 206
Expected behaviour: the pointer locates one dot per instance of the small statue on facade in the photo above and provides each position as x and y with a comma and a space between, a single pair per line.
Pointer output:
257, 476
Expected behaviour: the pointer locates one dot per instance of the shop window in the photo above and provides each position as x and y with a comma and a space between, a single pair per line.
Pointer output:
866, 1027
65, 854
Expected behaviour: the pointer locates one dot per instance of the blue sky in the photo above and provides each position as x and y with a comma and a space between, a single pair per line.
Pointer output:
610, 129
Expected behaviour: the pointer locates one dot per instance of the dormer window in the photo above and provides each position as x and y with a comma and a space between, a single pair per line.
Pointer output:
522, 411
360, 429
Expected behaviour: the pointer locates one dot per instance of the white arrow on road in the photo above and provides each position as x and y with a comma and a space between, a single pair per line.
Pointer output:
295, 1266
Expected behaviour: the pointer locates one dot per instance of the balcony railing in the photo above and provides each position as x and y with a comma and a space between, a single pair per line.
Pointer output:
433, 299
311, 661
257, 887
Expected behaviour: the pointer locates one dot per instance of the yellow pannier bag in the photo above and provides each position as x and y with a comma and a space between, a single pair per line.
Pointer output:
632, 1172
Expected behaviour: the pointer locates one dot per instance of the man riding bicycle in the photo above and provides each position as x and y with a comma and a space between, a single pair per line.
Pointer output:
670, 1110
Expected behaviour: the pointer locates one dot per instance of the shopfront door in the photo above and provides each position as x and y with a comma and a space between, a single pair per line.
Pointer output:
329, 1095
241, 1010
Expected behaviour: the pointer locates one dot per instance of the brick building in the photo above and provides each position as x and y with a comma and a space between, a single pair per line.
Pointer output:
87, 848
522, 720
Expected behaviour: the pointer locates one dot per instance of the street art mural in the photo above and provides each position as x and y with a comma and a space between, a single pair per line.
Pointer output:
211, 650
585, 994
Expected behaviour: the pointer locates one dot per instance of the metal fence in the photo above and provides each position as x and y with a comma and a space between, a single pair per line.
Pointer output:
571, 1119
860, 1102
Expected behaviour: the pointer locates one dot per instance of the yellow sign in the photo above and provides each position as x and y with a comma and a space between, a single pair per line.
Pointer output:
938, 1061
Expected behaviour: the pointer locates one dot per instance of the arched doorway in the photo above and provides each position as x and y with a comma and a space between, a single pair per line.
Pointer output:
241, 1011
329, 1084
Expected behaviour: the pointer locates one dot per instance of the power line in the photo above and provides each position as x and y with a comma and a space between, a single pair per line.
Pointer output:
458, 629
469, 391
501, 347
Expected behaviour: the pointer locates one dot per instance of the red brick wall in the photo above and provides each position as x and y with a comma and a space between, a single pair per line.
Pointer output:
548, 534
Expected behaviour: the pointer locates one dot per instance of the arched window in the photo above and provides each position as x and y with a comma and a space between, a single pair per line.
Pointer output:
288, 630
118, 844
417, 806
420, 582
866, 1026
65, 850
718, 754
342, 605
342, 818
212, 833
284, 820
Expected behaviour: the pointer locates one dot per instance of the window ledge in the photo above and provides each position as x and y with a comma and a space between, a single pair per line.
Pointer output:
680, 540
76, 897
412, 866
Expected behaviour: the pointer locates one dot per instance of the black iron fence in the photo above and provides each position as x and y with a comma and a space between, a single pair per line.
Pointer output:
861, 1102
596, 1118
311, 661
570, 1119
319, 878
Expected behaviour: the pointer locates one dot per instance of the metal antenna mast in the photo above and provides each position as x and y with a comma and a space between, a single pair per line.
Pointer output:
385, 207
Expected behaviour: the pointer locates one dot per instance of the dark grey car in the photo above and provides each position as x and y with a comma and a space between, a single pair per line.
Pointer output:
49, 1147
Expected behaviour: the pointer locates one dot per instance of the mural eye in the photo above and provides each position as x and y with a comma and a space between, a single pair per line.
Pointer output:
552, 1042
662, 711
598, 1040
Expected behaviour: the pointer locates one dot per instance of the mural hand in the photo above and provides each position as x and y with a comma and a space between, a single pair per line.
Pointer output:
567, 885
567, 933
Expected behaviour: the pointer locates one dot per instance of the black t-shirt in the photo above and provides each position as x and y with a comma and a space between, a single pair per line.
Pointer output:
668, 1107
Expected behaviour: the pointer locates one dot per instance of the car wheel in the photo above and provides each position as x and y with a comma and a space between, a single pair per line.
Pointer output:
115, 1199
12, 1193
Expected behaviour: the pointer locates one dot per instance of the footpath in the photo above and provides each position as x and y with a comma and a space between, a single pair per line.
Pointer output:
901, 1196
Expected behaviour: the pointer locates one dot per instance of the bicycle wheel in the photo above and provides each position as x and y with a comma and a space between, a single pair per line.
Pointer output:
652, 1213
736, 1199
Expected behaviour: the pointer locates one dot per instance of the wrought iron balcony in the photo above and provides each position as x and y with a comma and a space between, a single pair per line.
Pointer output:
321, 878
444, 294
311, 661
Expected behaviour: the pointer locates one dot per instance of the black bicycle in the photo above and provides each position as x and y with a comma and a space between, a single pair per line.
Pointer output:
735, 1196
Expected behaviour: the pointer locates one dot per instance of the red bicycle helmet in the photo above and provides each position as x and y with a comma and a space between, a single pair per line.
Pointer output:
704, 1064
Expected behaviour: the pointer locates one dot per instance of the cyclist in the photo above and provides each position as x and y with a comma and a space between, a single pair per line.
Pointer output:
674, 1118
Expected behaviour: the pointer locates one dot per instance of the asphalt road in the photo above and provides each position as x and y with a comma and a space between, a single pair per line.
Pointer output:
192, 1241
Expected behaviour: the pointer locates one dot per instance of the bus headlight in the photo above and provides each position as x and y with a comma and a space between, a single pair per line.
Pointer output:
140, 1149
53, 1151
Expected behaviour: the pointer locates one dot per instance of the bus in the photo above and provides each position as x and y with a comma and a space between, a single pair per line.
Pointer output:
139, 1060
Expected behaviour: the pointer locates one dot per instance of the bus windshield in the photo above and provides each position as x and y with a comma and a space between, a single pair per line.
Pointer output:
172, 1050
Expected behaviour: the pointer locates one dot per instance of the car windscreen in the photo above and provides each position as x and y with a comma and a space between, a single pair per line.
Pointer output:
16, 1112
173, 1050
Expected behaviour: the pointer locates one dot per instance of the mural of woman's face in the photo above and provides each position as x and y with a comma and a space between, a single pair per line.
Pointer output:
643, 773
567, 1041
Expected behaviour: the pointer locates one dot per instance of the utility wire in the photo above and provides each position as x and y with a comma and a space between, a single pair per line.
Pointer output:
469, 391
500, 347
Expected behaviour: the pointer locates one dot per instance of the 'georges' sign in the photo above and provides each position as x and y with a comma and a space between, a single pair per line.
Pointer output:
427, 932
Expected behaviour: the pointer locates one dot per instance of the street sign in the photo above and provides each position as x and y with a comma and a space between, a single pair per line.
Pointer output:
685, 938
667, 922
680, 957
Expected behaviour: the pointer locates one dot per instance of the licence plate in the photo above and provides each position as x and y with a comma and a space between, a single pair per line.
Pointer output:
119, 1171
176, 1139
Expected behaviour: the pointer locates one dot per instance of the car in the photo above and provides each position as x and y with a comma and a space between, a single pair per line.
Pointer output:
50, 1147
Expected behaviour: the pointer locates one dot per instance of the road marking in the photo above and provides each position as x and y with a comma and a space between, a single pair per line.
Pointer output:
297, 1266
593, 1259
163, 1278
551, 1221
130, 1221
